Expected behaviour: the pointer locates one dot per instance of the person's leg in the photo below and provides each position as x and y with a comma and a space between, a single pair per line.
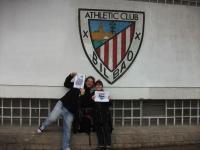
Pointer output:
107, 136
100, 138
53, 116
108, 130
67, 124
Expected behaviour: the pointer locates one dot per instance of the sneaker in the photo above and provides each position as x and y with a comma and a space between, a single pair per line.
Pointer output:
108, 147
39, 130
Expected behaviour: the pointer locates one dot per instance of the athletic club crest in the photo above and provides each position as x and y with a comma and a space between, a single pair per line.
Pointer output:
111, 39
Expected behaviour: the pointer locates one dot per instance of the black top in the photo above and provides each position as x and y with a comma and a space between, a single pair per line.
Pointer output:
86, 99
71, 99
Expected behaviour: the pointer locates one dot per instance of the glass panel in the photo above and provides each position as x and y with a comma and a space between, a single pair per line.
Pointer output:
6, 121
44, 103
35, 112
169, 1
194, 121
194, 112
145, 122
43, 112
136, 122
127, 104
177, 1
127, 113
127, 122
118, 113
161, 121
178, 112
194, 103
170, 112
136, 113
25, 121
118, 122
6, 112
153, 1
178, 103
185, 2
35, 103
170, 103
34, 121
25, 112
16, 102
136, 104
16, 112
6, 102
118, 104
153, 122
186, 103
154, 108
186, 120
25, 102
178, 121
16, 121
170, 121
186, 112
161, 1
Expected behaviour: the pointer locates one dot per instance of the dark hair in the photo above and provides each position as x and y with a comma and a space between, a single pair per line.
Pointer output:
99, 82
90, 77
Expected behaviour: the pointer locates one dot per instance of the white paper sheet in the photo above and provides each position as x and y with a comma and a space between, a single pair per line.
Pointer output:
101, 96
79, 81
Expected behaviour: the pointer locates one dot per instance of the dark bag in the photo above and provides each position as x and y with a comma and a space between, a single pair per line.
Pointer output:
86, 123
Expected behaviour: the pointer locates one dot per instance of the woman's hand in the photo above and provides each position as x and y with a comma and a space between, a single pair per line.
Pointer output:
73, 74
82, 91
109, 98
93, 97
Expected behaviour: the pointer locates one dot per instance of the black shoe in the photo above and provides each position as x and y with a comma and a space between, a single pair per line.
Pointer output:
100, 148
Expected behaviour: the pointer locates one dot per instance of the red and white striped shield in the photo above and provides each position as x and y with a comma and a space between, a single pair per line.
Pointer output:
113, 51
111, 39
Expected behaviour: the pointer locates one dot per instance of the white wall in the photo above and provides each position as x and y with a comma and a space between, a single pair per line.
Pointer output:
40, 45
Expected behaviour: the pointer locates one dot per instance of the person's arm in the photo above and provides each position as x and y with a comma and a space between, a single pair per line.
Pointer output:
109, 104
68, 83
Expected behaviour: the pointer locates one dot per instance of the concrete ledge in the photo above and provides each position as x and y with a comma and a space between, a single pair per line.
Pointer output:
26, 138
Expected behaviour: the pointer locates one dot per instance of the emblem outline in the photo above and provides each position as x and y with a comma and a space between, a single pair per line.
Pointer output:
85, 51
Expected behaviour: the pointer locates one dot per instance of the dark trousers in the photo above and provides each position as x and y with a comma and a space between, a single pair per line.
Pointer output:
104, 135
103, 125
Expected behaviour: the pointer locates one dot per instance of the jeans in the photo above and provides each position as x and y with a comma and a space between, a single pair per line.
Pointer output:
60, 110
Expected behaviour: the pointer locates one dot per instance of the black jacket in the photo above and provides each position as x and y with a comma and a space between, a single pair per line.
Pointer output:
71, 99
102, 115
86, 99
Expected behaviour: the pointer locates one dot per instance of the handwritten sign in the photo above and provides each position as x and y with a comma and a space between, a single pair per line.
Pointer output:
79, 81
101, 96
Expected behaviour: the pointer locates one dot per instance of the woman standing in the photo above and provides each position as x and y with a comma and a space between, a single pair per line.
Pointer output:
102, 120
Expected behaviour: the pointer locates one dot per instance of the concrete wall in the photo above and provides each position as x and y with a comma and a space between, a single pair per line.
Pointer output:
40, 45
122, 138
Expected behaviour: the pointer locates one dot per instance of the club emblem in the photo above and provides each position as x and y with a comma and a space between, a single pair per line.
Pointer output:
111, 39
